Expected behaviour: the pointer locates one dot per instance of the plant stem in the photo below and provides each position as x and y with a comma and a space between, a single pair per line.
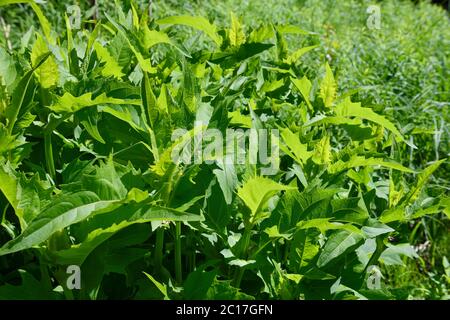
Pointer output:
159, 248
178, 269
49, 154
240, 270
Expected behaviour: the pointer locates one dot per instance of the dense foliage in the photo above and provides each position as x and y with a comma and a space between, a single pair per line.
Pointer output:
87, 177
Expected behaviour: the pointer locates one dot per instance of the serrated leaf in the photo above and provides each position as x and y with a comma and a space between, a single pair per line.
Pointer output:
328, 87
338, 245
393, 254
236, 33
198, 23
347, 108
360, 161
64, 211
111, 67
70, 104
256, 191
422, 178
293, 147
324, 224
47, 73
298, 54
304, 86
322, 151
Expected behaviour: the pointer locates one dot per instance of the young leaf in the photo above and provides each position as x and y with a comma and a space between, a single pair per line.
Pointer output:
47, 73
322, 151
328, 87
256, 191
111, 67
304, 86
236, 35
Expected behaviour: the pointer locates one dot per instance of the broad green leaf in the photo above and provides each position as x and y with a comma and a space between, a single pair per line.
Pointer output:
289, 28
328, 87
61, 213
422, 178
153, 37
338, 245
70, 104
360, 161
303, 249
9, 187
228, 180
293, 147
338, 120
273, 232
47, 73
145, 64
272, 85
198, 23
26, 196
393, 214
427, 211
261, 34
45, 25
8, 71
149, 101
322, 151
112, 222
351, 209
375, 228
240, 120
304, 86
29, 289
198, 283
324, 224
111, 67
298, 54
256, 191
91, 125
161, 287
222, 290
22, 95
347, 108
393, 254
236, 32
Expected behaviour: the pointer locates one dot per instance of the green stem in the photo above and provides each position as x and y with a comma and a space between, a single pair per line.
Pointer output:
178, 269
159, 249
49, 155
45, 277
239, 273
